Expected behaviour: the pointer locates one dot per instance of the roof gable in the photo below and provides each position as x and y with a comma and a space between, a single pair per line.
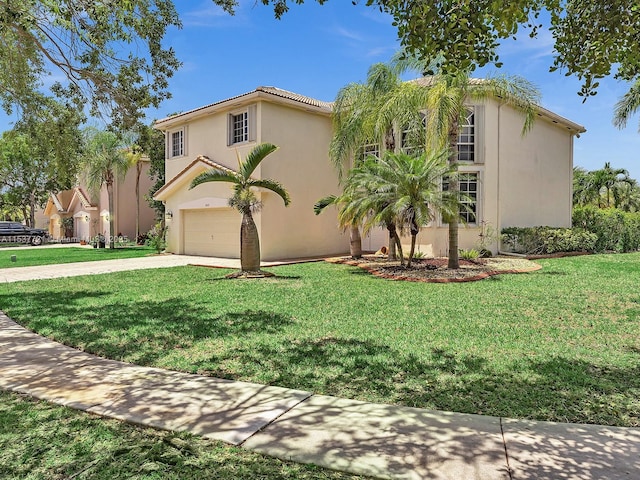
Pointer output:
201, 164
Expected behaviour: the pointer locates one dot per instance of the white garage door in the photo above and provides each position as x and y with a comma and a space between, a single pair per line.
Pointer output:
212, 232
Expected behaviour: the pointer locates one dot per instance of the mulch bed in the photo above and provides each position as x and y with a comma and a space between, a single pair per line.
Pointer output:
434, 270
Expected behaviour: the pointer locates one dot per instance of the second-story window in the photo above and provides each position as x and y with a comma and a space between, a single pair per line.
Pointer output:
176, 143
467, 139
240, 127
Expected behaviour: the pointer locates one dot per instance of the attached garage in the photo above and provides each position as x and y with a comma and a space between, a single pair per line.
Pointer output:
212, 232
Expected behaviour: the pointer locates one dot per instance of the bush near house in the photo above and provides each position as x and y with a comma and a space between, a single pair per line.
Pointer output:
615, 230
544, 240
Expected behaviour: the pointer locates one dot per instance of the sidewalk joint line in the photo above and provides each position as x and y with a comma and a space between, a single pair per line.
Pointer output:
271, 422
506, 453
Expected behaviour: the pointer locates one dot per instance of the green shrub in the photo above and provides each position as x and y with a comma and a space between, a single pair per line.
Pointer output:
544, 240
615, 230
156, 237
471, 254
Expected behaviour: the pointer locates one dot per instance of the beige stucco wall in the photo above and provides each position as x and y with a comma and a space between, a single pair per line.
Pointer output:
302, 165
535, 173
125, 203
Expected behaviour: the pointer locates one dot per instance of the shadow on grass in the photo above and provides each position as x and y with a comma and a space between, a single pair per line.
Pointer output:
142, 331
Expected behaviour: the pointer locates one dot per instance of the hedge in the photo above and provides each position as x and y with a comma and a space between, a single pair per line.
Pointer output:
545, 240
616, 230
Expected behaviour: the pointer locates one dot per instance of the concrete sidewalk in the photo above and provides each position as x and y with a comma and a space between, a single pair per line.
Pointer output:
379, 440
20, 274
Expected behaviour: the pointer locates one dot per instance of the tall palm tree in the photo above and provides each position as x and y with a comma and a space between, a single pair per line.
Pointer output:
105, 163
606, 180
628, 105
134, 155
245, 201
446, 98
357, 123
408, 187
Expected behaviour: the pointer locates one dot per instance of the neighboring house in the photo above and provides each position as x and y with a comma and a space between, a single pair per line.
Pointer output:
510, 180
90, 214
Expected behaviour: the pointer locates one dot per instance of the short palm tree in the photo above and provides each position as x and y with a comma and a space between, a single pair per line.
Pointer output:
105, 163
409, 189
245, 201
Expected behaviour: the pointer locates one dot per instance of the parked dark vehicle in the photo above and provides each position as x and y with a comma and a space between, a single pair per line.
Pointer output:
15, 232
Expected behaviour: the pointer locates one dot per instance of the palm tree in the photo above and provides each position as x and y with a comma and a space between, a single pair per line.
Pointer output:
245, 201
357, 123
408, 187
584, 190
608, 179
106, 162
134, 155
628, 105
445, 97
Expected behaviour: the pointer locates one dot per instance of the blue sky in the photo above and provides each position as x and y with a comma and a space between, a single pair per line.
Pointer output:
315, 50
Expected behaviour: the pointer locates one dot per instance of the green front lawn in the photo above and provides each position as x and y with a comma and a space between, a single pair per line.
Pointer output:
561, 344
42, 441
49, 256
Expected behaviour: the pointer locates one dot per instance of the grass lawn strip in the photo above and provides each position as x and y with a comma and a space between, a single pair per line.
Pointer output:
39, 440
561, 344
50, 256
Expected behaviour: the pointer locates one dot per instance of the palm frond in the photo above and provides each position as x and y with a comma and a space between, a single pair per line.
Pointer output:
272, 185
323, 203
215, 175
627, 106
254, 157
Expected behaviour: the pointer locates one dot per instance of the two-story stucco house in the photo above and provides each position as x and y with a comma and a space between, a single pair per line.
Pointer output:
90, 212
510, 180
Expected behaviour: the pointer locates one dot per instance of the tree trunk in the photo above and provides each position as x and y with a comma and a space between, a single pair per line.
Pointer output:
138, 172
355, 242
454, 260
249, 244
109, 238
392, 255
32, 210
411, 250
400, 252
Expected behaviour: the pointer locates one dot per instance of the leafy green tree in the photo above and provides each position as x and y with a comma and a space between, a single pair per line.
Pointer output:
111, 54
591, 37
584, 190
402, 188
245, 200
105, 163
152, 143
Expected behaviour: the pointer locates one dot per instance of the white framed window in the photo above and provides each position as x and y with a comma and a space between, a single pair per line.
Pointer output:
242, 126
370, 149
469, 188
467, 138
176, 142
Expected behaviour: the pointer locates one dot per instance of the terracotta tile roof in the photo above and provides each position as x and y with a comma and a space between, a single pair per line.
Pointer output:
276, 92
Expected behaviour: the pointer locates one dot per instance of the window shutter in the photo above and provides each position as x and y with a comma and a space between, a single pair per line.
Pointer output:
478, 116
229, 130
252, 114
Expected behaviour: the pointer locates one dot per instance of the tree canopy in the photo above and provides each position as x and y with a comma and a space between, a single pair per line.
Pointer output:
592, 39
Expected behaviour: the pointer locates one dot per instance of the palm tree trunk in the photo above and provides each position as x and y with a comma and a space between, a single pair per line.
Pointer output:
454, 260
392, 255
109, 238
355, 242
400, 252
138, 172
249, 244
411, 250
